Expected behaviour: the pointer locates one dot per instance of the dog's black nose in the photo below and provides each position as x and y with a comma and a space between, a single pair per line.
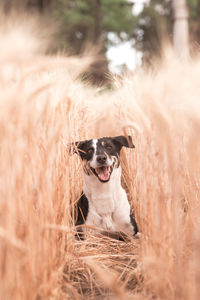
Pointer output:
101, 159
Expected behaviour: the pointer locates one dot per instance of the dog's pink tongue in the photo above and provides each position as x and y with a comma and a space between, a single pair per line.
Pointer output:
103, 173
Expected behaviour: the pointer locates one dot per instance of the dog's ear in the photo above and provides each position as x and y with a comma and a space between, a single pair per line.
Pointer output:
123, 141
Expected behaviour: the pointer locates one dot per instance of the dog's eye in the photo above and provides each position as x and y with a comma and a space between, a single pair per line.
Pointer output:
90, 151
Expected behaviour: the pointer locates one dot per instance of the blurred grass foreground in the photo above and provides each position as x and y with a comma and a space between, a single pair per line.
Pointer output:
43, 107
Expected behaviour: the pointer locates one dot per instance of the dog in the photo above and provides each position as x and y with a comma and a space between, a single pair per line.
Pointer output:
104, 202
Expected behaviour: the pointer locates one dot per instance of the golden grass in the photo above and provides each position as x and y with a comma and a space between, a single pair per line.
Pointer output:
44, 108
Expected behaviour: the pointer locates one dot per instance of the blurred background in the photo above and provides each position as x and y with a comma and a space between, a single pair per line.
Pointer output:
46, 46
127, 33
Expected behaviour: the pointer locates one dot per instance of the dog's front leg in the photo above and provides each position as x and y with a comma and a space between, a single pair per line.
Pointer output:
123, 221
93, 219
107, 222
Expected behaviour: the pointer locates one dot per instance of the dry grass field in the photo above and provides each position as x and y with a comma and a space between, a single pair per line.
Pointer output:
43, 108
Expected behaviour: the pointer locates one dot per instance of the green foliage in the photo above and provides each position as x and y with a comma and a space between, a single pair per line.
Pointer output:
84, 21
194, 18
193, 4
117, 16
154, 21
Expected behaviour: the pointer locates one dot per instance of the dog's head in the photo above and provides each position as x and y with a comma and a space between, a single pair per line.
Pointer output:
101, 156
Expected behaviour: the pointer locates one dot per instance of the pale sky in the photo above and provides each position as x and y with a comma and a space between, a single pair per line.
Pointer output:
124, 53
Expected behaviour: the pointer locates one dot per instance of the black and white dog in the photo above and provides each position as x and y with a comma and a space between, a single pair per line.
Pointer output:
104, 202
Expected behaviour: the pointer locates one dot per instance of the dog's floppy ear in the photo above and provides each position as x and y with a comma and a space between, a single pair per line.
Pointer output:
124, 141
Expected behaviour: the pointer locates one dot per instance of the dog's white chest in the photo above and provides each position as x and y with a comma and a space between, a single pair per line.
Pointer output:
101, 212
109, 208
110, 214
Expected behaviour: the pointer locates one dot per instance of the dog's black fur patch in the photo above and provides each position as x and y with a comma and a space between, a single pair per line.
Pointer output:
133, 222
82, 211
111, 146
83, 207
84, 149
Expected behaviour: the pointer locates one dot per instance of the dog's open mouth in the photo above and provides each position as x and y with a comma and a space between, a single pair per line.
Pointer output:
103, 173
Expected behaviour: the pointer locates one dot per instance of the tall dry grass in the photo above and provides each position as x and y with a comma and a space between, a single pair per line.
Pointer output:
43, 108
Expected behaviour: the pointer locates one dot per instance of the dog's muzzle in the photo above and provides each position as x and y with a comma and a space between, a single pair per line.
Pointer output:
103, 173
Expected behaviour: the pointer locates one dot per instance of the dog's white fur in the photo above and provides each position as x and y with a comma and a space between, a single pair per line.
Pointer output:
108, 204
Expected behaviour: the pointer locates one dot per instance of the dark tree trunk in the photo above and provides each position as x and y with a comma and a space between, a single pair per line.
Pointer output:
8, 5
98, 20
40, 5
44, 5
198, 22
